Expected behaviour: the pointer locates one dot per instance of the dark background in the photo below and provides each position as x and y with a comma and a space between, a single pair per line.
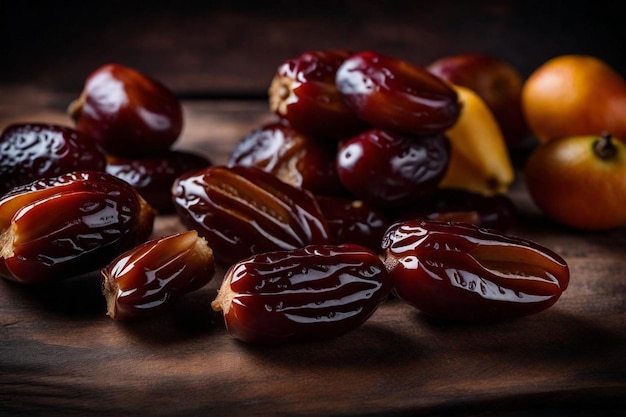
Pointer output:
231, 48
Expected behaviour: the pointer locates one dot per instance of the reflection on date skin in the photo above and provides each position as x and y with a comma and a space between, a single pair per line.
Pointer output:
312, 293
242, 211
462, 272
150, 277
68, 225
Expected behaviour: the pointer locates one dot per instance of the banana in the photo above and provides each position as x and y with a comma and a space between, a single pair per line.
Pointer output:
479, 160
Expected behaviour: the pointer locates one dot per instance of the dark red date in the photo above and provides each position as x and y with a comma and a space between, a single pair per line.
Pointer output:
296, 158
147, 279
126, 112
242, 211
388, 169
456, 205
30, 151
353, 221
303, 92
316, 292
465, 273
153, 175
69, 225
392, 94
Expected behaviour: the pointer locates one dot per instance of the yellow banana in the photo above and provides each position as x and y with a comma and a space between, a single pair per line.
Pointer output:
479, 160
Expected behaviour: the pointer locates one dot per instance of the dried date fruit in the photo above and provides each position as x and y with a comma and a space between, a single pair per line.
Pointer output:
29, 151
465, 273
389, 93
316, 292
126, 112
147, 279
242, 211
389, 169
153, 175
353, 221
303, 92
457, 205
69, 225
87, 181
298, 159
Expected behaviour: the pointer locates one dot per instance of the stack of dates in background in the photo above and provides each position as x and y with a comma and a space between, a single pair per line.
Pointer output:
367, 134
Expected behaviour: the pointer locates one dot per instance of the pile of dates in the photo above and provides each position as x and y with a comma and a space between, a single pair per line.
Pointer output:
318, 217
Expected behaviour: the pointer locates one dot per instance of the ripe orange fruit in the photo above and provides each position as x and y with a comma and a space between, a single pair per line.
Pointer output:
580, 181
573, 95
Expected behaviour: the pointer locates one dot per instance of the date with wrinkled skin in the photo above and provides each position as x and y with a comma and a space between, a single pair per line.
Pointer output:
303, 91
312, 293
147, 279
461, 272
242, 211
69, 225
389, 169
29, 151
299, 159
153, 175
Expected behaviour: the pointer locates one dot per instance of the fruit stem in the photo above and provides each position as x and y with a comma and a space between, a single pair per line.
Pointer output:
604, 147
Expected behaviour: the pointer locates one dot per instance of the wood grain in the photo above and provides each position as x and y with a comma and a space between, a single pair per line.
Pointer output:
60, 355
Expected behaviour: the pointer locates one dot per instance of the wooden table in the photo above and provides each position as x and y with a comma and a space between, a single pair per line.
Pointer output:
60, 355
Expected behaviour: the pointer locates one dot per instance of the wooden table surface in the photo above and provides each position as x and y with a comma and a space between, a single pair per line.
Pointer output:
60, 355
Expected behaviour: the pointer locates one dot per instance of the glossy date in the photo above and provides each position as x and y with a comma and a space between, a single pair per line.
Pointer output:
303, 92
462, 272
389, 93
389, 169
126, 112
242, 211
315, 292
68, 225
353, 221
153, 175
296, 158
29, 151
147, 279
457, 205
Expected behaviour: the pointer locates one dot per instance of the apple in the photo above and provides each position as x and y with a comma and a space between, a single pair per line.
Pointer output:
496, 81
571, 95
